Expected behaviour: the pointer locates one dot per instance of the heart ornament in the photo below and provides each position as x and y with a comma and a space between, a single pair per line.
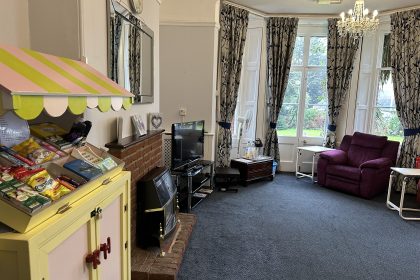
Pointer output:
155, 121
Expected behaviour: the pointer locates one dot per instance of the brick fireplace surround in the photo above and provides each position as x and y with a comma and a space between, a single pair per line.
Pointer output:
142, 154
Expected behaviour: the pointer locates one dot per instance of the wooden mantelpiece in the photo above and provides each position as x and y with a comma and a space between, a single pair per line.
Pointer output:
132, 140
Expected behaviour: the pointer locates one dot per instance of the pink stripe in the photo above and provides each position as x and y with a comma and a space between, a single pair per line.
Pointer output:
15, 82
42, 68
105, 79
56, 60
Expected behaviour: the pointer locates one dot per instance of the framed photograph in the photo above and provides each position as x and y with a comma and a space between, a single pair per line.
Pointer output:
154, 121
139, 127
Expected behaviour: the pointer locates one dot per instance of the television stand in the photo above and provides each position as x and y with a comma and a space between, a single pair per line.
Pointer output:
194, 184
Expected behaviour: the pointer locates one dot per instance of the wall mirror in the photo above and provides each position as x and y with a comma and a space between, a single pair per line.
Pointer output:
130, 52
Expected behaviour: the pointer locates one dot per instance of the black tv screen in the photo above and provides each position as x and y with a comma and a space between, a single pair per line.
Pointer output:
187, 143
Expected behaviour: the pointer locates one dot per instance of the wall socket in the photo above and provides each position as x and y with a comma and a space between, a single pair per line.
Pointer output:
182, 112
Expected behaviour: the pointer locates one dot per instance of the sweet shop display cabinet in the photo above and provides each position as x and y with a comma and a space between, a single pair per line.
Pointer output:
64, 208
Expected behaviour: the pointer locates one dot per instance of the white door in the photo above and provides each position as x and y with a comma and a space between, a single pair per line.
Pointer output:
303, 117
247, 103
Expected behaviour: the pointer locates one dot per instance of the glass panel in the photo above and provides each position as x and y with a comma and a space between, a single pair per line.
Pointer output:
316, 88
385, 90
293, 87
297, 58
386, 54
314, 121
318, 51
287, 122
386, 123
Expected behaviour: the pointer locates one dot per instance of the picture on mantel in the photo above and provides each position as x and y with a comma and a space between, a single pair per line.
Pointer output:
139, 127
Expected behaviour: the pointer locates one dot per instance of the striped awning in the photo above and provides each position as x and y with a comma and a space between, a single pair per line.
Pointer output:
31, 81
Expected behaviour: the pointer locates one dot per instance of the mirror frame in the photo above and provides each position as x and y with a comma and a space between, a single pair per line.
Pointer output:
122, 11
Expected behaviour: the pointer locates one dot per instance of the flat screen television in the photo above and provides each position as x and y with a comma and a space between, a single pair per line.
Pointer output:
187, 143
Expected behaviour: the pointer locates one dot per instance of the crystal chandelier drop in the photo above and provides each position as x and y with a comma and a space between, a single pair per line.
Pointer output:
358, 23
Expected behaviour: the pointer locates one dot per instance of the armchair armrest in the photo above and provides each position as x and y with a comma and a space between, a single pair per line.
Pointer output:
377, 163
334, 156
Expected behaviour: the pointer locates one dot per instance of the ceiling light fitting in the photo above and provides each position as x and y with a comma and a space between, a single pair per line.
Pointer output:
358, 22
328, 2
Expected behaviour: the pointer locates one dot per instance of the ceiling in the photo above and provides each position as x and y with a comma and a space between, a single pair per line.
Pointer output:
312, 7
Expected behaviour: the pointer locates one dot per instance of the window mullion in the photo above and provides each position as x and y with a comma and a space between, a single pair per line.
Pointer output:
302, 99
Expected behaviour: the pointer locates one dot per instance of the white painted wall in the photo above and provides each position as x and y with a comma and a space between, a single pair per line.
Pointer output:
190, 11
188, 53
54, 27
14, 23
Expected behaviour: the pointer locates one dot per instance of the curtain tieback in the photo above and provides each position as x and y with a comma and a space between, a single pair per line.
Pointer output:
225, 125
411, 131
273, 125
332, 127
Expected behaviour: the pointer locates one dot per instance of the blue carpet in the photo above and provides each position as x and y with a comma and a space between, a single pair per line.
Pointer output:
293, 229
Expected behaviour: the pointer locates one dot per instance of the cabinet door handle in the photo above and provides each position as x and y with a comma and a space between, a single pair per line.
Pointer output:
94, 259
106, 247
108, 240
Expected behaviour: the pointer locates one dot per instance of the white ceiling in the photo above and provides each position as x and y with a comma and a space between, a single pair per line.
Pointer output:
312, 7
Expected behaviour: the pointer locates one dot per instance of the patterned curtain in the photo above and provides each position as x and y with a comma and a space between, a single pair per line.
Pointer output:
134, 54
405, 62
341, 54
281, 38
233, 28
114, 45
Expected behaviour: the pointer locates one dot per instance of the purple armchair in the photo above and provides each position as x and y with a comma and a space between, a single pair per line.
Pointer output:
361, 166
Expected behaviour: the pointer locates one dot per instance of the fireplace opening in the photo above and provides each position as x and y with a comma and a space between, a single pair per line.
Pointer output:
156, 207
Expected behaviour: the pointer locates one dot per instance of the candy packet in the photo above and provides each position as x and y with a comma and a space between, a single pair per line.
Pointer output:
33, 151
28, 198
43, 183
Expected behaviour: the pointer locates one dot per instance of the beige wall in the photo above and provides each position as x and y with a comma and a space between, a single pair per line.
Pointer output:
54, 27
190, 11
14, 23
189, 40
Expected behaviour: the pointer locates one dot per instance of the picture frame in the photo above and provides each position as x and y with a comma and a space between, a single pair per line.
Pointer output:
139, 127
154, 121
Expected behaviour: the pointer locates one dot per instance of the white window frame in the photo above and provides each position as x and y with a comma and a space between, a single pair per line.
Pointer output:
255, 23
384, 29
307, 32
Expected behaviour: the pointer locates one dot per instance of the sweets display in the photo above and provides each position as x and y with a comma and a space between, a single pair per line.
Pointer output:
32, 189
36, 173
31, 150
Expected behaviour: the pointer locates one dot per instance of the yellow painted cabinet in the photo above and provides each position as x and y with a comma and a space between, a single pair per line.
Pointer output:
60, 247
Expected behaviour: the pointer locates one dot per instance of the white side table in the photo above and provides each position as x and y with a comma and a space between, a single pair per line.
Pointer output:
407, 173
315, 150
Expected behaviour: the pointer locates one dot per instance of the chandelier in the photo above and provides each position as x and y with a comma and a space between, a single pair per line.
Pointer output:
358, 23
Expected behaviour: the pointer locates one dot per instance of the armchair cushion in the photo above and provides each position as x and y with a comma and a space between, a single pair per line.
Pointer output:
334, 156
368, 140
344, 171
365, 147
377, 163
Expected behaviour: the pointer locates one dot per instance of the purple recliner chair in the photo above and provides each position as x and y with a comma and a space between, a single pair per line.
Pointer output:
361, 166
